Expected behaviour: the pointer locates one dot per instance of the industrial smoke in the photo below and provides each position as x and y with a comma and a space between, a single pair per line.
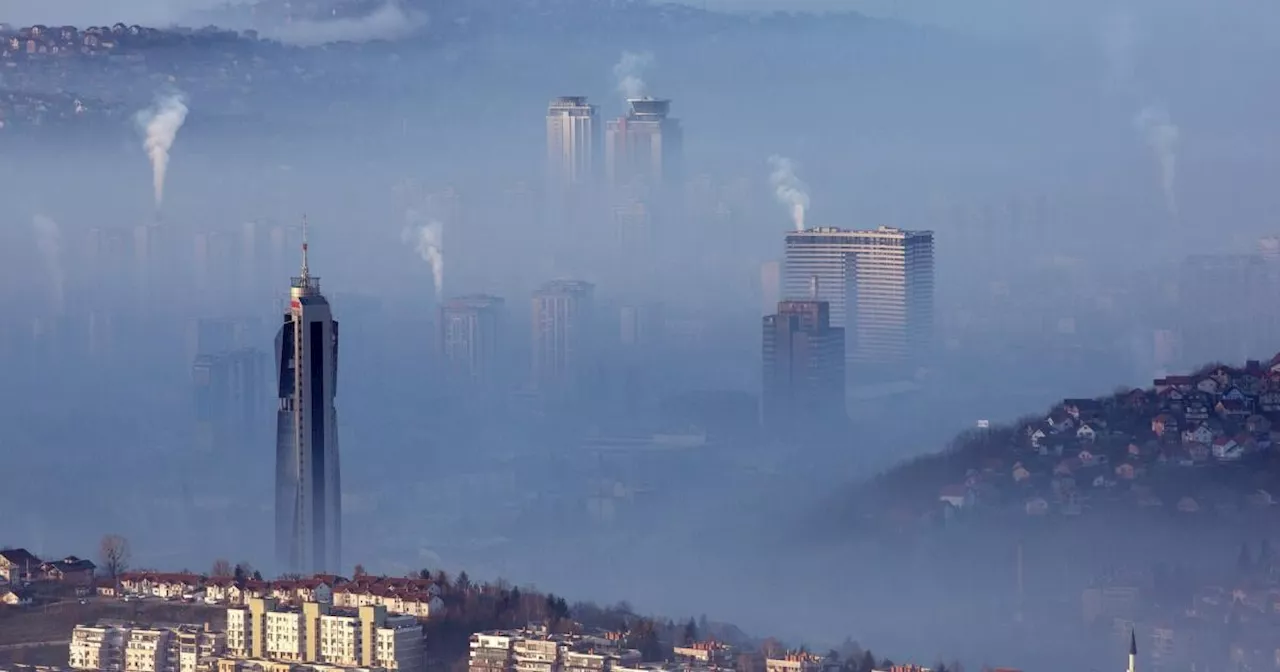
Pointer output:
629, 72
428, 241
159, 125
788, 188
1162, 135
49, 242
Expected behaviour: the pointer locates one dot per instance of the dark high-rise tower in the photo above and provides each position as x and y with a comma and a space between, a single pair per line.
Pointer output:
308, 494
803, 366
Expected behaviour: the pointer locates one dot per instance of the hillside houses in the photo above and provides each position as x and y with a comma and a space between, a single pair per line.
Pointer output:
1128, 449
17, 565
407, 596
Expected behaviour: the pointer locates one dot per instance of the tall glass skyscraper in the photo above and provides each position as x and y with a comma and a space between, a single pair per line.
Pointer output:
308, 486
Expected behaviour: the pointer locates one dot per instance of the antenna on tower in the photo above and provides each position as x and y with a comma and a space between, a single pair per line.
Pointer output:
306, 272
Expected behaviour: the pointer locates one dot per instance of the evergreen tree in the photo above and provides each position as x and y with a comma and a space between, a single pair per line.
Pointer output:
690, 632
868, 661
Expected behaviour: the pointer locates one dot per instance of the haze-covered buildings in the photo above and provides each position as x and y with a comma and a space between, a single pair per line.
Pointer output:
879, 284
803, 355
562, 336
470, 328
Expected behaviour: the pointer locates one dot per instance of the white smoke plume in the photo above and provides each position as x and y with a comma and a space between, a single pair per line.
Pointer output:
629, 71
159, 125
1162, 135
428, 241
789, 189
49, 242
390, 21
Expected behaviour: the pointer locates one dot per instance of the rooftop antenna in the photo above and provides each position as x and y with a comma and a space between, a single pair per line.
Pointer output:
306, 271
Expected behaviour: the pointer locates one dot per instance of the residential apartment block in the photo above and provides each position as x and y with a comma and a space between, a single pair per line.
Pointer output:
131, 648
319, 634
794, 661
536, 650
709, 654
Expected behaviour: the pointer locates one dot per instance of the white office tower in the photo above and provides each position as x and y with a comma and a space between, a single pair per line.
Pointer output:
573, 142
879, 284
308, 495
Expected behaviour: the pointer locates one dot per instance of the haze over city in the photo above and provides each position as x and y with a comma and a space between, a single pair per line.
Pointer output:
647, 302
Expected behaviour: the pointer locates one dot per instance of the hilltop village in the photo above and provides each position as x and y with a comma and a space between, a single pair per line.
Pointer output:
1197, 444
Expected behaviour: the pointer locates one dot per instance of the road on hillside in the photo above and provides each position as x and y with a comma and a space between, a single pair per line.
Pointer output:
32, 645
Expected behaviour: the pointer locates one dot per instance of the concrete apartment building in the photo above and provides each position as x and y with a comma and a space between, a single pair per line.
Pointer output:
147, 650
492, 652
539, 655
794, 661
709, 654
317, 634
96, 648
535, 650
128, 648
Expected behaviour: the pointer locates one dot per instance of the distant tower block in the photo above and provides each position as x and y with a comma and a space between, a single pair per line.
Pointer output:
644, 147
573, 142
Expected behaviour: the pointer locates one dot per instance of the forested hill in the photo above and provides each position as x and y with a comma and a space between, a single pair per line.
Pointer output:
1195, 445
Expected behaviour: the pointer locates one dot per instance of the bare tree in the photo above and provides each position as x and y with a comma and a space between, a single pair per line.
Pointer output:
358, 570
114, 551
222, 567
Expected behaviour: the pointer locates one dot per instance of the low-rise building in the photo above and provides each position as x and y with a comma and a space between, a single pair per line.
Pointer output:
17, 565
69, 570
711, 654
537, 650
794, 661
